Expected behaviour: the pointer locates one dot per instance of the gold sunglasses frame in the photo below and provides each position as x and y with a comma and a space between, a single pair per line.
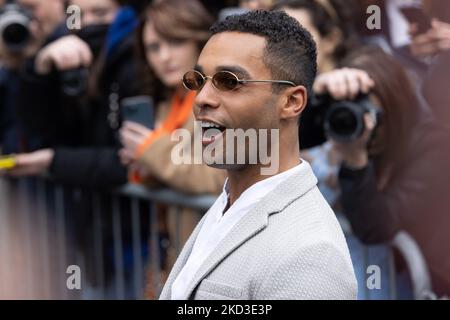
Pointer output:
239, 81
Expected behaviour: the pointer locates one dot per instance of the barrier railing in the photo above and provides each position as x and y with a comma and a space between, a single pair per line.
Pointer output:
66, 243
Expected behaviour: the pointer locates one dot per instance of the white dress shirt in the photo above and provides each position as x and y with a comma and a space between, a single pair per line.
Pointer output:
217, 225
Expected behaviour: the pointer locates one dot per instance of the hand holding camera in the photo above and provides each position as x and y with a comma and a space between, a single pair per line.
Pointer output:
342, 84
350, 125
341, 111
67, 53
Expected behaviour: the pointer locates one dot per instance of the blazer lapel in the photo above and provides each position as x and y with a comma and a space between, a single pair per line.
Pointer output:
256, 220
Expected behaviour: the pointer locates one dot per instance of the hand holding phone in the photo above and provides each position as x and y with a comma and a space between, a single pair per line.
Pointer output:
139, 109
416, 16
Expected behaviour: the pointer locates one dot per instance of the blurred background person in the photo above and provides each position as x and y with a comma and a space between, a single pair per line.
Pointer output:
169, 48
414, 31
171, 35
393, 36
39, 22
430, 42
332, 27
330, 24
378, 210
393, 175
74, 87
434, 46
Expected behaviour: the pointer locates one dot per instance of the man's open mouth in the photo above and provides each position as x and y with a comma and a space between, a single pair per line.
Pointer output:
211, 131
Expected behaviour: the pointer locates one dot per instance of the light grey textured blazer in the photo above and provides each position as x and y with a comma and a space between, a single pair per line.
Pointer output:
290, 246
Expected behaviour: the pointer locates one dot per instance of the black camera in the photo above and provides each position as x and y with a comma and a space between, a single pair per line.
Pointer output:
14, 26
341, 120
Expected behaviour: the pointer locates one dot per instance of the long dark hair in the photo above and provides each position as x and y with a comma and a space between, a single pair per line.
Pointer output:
177, 20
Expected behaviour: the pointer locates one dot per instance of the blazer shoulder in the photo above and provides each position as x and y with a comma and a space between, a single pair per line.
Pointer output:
306, 223
309, 217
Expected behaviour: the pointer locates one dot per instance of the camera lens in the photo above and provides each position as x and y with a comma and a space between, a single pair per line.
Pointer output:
343, 122
15, 35
14, 27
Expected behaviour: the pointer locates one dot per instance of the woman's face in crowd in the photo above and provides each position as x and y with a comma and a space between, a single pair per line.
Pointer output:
95, 12
325, 45
169, 59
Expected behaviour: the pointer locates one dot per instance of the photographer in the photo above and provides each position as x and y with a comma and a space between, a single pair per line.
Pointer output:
74, 90
24, 26
394, 104
391, 175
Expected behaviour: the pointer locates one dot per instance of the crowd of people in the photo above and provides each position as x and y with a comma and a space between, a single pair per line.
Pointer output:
61, 116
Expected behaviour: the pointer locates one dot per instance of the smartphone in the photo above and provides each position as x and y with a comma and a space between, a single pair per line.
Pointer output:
415, 15
139, 109
7, 162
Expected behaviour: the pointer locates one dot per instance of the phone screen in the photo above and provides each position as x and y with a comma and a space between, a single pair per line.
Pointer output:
139, 109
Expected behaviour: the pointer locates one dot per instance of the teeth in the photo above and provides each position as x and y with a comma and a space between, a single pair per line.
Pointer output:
206, 124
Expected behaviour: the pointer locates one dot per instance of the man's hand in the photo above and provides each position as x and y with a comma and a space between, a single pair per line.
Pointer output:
66, 53
432, 42
32, 164
343, 84
132, 135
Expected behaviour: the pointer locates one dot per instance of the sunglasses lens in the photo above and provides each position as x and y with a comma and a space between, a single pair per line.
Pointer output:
193, 80
225, 81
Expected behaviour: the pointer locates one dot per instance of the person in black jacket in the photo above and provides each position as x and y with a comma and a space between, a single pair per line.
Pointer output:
72, 94
45, 18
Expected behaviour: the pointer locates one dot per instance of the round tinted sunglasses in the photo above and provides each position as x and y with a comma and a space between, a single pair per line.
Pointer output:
222, 80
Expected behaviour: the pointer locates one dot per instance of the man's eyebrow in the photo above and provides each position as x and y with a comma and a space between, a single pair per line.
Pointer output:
239, 71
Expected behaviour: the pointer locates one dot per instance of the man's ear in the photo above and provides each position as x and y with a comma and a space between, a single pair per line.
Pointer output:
294, 102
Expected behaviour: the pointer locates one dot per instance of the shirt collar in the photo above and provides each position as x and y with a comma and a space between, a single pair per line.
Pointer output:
258, 190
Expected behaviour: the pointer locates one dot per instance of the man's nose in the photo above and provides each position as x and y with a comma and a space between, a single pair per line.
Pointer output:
207, 96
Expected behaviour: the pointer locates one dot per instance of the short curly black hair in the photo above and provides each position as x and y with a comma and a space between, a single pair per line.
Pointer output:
290, 52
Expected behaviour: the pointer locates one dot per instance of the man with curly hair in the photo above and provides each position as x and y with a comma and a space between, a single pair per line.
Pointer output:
267, 236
